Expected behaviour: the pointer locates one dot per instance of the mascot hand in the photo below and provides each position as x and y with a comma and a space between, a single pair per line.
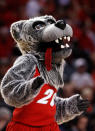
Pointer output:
37, 82
82, 104
76, 104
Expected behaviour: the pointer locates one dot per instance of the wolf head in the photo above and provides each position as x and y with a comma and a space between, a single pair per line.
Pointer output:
37, 34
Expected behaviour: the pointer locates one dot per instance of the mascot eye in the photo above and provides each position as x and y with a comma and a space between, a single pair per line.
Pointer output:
50, 21
39, 26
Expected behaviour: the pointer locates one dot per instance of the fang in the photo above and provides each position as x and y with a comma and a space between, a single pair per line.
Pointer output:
65, 37
67, 45
62, 46
60, 38
68, 38
57, 41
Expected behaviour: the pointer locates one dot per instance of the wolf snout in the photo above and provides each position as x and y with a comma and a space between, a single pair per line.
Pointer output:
56, 30
60, 24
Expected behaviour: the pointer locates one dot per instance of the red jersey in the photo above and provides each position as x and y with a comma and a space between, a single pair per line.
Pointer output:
41, 111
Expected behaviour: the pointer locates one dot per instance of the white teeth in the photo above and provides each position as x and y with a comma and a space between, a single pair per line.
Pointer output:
65, 37
57, 41
68, 38
60, 38
67, 45
62, 46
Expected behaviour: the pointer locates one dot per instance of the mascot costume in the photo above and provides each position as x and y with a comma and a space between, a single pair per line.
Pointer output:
31, 84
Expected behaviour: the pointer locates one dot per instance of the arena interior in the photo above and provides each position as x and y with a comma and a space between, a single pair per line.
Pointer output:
79, 73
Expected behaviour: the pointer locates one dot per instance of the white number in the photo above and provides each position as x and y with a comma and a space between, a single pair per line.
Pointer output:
49, 94
52, 101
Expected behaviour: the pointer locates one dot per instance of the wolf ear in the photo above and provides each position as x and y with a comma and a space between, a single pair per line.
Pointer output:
16, 29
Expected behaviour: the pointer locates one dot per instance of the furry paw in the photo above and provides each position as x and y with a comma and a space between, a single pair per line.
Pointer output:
37, 83
76, 104
82, 104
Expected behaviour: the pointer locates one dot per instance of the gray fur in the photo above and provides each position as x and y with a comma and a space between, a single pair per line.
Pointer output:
17, 86
66, 109
17, 89
25, 35
28, 38
54, 77
52, 32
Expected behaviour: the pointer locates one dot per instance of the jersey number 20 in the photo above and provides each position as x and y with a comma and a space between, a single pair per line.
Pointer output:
49, 93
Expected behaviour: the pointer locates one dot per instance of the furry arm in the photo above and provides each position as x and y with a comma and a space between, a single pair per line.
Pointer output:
66, 109
18, 86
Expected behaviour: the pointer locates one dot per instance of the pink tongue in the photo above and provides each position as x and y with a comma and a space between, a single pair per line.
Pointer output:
48, 59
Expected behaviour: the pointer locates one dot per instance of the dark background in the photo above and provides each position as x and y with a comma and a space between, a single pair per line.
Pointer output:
80, 14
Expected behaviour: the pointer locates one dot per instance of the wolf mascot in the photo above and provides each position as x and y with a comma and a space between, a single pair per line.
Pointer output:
30, 85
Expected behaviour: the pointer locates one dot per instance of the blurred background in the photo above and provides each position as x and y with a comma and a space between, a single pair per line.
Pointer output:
79, 74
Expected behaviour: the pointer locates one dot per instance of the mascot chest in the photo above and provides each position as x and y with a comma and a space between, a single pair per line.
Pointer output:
43, 104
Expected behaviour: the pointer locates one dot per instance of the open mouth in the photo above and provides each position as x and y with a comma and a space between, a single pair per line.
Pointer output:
63, 43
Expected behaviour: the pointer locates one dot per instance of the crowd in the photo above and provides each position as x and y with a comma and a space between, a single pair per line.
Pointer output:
79, 73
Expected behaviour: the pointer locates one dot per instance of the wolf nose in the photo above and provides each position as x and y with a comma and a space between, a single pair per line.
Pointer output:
60, 24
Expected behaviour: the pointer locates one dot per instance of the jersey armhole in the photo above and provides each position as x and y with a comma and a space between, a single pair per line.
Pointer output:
37, 73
